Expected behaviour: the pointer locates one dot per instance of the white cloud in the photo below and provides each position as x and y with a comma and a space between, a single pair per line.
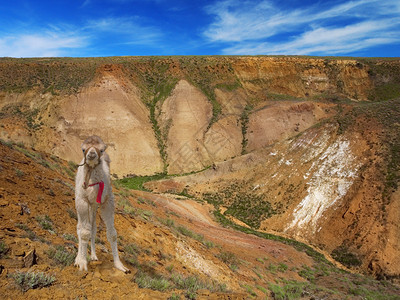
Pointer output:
238, 21
40, 45
326, 40
260, 27
129, 29
67, 39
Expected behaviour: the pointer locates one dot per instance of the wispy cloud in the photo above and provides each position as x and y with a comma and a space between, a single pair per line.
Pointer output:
323, 40
130, 30
260, 27
40, 44
68, 39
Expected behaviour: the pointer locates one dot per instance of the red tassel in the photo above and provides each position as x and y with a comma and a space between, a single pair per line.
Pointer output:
101, 189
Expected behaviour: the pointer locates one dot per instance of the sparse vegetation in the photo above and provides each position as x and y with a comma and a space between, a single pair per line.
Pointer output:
244, 121
8, 144
174, 297
30, 234
207, 74
45, 222
156, 282
288, 291
126, 207
319, 257
187, 232
52, 75
19, 173
3, 248
61, 256
156, 84
386, 114
132, 249
146, 277
32, 280
385, 75
248, 207
35, 156
191, 284
70, 237
72, 213
344, 256
136, 182
229, 259
249, 290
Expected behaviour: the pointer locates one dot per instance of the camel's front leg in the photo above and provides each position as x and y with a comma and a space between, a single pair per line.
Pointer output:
84, 231
93, 255
107, 213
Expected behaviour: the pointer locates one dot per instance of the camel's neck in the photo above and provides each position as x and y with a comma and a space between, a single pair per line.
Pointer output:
88, 169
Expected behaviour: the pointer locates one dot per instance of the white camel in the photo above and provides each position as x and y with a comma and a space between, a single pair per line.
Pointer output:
93, 189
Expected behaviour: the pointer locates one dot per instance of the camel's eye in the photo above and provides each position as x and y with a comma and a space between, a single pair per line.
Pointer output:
102, 150
83, 150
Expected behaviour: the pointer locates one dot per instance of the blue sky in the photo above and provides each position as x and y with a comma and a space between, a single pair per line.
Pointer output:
187, 27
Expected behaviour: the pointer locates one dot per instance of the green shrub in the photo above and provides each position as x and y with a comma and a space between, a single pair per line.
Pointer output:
169, 222
155, 282
30, 234
32, 280
187, 232
174, 297
342, 255
61, 256
136, 182
8, 144
72, 165
45, 222
249, 289
244, 121
307, 273
229, 259
282, 267
70, 237
19, 173
126, 207
290, 290
132, 249
3, 249
72, 213
191, 284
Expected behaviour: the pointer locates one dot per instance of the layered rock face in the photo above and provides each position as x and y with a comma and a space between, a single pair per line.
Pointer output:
175, 114
287, 144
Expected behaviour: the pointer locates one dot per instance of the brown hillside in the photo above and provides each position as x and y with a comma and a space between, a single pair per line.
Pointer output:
334, 186
173, 246
305, 148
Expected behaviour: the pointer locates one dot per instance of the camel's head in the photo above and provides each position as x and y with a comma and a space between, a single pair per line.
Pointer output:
93, 148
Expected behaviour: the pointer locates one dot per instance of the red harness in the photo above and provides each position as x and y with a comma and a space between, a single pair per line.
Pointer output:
100, 193
87, 177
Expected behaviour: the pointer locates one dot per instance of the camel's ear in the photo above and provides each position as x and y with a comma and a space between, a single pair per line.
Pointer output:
105, 147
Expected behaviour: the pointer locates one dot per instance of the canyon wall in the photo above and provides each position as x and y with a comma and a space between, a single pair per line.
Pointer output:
307, 147
176, 114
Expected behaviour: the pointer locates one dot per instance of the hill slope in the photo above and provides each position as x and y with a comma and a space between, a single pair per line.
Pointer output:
304, 147
172, 245
335, 186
